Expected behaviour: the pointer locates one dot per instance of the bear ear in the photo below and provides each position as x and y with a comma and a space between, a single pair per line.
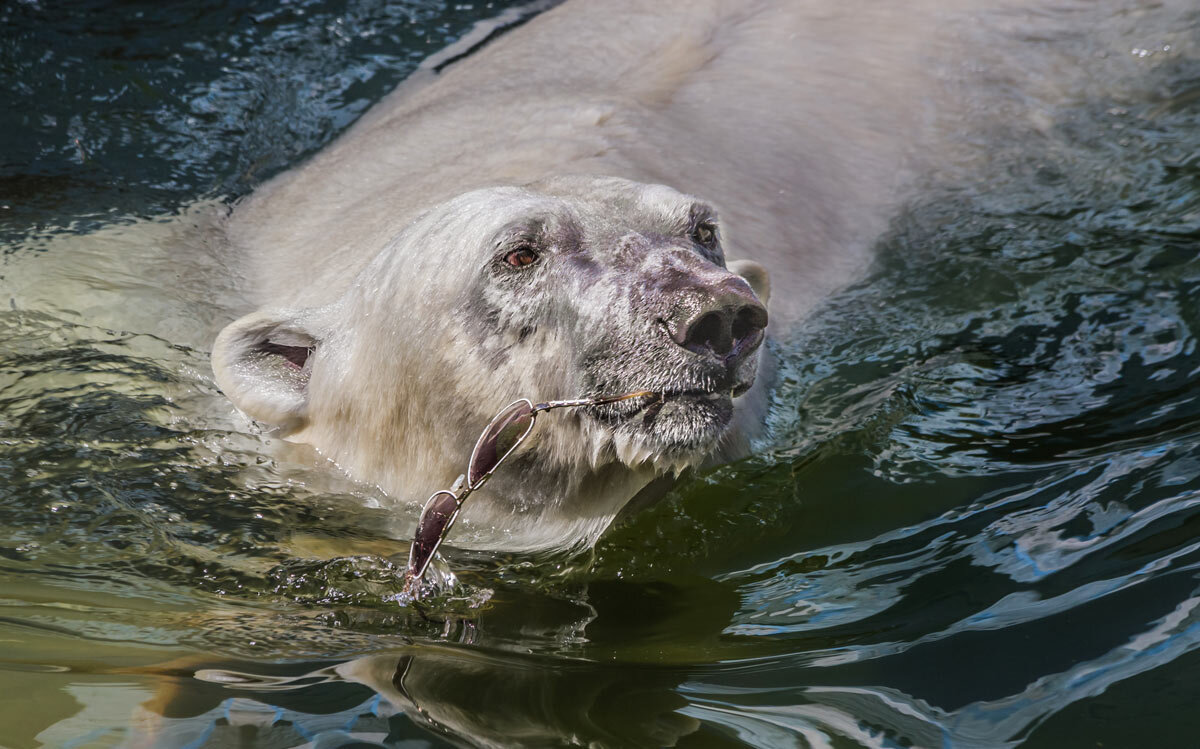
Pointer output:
755, 275
262, 363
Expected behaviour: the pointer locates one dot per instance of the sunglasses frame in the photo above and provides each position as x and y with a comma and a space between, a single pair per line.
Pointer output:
462, 487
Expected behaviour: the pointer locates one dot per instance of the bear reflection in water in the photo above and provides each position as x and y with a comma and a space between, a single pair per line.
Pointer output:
495, 700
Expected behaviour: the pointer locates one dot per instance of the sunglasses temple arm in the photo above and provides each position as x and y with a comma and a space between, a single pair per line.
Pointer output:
592, 401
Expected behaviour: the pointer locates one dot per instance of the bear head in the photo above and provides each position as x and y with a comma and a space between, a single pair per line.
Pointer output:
572, 287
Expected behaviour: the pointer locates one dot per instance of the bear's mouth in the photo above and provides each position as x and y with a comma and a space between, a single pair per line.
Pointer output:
677, 420
675, 396
690, 399
691, 411
732, 392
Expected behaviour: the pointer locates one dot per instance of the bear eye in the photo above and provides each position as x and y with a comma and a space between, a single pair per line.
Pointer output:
521, 257
705, 234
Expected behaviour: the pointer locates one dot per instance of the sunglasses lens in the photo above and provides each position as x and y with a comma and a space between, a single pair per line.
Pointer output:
500, 438
438, 513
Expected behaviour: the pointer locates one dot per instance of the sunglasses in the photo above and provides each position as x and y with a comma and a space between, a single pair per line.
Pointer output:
499, 439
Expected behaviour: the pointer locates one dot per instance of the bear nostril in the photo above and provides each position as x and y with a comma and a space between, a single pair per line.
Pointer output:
748, 322
730, 332
709, 332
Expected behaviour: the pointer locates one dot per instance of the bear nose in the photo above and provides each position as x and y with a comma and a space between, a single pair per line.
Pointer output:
728, 325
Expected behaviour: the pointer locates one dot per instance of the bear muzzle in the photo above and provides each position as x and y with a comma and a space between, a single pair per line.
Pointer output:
722, 323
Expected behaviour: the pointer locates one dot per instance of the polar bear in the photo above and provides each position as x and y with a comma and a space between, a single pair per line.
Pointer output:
589, 205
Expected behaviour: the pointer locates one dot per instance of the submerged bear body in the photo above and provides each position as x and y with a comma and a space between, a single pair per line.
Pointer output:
591, 205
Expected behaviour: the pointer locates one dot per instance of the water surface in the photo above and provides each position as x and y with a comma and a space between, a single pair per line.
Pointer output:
976, 522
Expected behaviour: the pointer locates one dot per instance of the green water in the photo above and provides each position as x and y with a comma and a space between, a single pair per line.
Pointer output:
976, 522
